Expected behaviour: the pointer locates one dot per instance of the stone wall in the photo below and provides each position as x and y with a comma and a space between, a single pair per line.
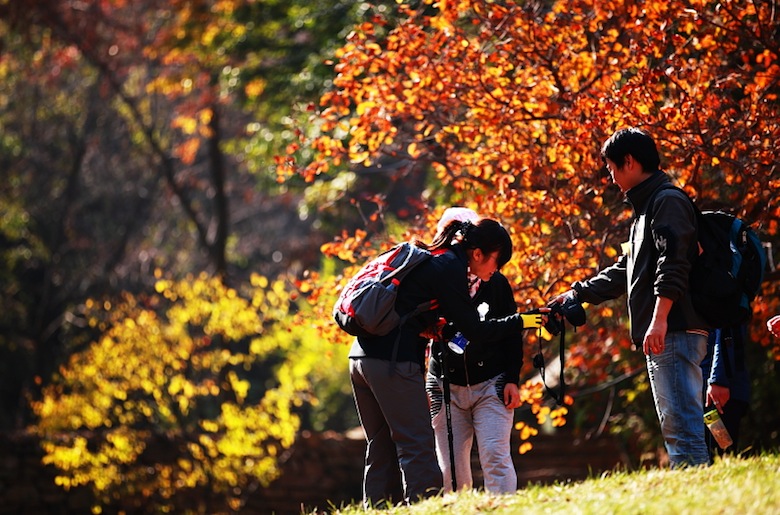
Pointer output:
322, 471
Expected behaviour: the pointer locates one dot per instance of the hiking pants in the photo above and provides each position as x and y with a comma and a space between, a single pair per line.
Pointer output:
400, 462
476, 410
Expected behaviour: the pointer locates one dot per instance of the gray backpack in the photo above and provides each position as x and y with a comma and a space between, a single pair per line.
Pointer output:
366, 306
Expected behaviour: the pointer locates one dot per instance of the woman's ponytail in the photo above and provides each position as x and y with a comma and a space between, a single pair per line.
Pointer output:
487, 235
450, 234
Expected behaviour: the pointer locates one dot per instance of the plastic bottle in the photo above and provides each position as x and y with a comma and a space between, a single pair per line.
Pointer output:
458, 343
717, 428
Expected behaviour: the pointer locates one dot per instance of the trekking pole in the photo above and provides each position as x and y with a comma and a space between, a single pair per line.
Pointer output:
446, 394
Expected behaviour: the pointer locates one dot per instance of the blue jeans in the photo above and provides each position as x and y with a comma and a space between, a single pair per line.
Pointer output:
677, 381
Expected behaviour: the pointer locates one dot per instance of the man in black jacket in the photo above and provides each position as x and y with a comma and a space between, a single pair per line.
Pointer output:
653, 272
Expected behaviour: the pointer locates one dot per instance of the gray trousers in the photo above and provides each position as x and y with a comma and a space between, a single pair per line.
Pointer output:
400, 462
475, 411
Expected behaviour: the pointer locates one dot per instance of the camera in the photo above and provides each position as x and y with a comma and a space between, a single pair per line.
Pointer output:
570, 310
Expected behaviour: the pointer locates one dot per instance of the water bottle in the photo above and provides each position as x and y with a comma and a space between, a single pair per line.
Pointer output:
717, 428
458, 343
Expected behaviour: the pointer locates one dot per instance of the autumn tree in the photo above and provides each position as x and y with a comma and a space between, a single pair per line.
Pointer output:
137, 136
197, 82
504, 105
176, 398
140, 135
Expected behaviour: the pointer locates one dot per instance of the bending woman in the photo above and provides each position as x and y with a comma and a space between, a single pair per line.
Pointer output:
400, 461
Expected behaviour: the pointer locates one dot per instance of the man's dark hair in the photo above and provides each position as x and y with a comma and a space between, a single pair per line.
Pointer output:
632, 141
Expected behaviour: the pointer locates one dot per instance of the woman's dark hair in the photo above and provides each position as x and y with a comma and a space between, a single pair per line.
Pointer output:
632, 141
487, 234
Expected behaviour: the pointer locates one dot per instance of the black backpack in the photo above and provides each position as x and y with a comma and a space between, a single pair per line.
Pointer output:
727, 274
366, 306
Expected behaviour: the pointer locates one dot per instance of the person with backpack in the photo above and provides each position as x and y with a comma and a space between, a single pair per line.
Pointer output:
653, 273
387, 372
727, 382
483, 379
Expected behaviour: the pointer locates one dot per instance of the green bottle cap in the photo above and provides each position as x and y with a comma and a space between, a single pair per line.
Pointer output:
711, 416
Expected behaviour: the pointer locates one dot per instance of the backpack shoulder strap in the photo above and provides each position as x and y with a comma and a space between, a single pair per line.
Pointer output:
411, 252
650, 211
651, 203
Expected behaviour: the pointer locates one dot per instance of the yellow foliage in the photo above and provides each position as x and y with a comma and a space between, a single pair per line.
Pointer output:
187, 124
155, 374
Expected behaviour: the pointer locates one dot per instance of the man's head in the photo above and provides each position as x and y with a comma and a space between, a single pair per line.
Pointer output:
630, 156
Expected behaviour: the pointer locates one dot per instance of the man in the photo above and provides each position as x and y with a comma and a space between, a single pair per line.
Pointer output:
654, 275
727, 381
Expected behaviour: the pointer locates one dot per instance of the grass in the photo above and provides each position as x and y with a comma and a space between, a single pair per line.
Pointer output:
730, 486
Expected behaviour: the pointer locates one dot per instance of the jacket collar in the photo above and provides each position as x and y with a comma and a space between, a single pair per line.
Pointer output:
639, 196
459, 251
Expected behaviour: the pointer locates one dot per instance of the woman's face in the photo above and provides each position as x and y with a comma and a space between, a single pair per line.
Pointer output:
483, 265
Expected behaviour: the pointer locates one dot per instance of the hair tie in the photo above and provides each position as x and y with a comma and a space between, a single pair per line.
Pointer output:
465, 227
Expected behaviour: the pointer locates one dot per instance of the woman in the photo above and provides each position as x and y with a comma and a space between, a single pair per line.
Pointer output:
392, 405
483, 380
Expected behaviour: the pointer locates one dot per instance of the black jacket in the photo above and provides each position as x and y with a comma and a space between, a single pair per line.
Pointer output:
444, 277
658, 260
483, 360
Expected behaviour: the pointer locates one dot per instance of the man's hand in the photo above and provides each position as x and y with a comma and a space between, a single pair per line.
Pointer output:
719, 395
434, 332
655, 337
656, 333
563, 297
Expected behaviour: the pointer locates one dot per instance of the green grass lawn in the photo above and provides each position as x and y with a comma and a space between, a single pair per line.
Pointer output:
731, 485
